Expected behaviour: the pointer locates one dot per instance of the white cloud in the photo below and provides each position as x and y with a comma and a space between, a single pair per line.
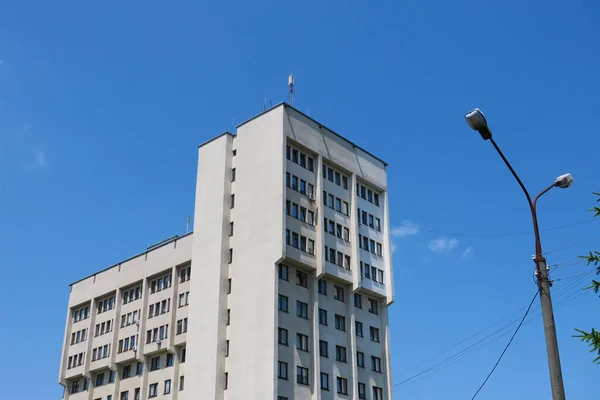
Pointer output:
442, 244
406, 228
40, 159
468, 253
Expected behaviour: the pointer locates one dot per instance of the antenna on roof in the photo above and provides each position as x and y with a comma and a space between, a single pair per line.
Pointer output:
291, 85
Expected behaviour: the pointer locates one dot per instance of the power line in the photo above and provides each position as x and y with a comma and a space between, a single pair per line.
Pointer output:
571, 246
416, 228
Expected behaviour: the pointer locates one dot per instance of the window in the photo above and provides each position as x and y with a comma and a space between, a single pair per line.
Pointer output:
301, 342
359, 328
226, 383
338, 204
345, 182
125, 395
340, 353
309, 163
338, 178
360, 359
182, 326
111, 377
376, 198
330, 201
373, 306
283, 271
379, 250
231, 228
153, 390
301, 279
375, 364
136, 394
362, 391
378, 224
295, 156
227, 348
182, 355
232, 201
377, 393
301, 309
168, 381
282, 370
230, 256
282, 336
338, 293
126, 373
338, 230
340, 322
283, 303
330, 174
324, 381
302, 375
357, 300
228, 317
347, 261
323, 348
100, 379
346, 234
302, 186
155, 363
139, 369
232, 174
75, 387
169, 360
342, 385
229, 286
322, 316
322, 287
294, 182
181, 382
374, 333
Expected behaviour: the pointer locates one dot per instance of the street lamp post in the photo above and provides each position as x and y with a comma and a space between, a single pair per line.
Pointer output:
477, 121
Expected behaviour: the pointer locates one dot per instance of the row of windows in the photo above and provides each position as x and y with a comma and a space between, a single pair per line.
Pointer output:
76, 360
370, 245
101, 352
100, 378
126, 344
370, 272
164, 282
158, 308
153, 389
185, 274
104, 327
130, 318
79, 336
369, 219
184, 299
182, 326
299, 212
299, 185
132, 294
336, 229
156, 334
81, 314
367, 194
342, 260
105, 305
335, 177
155, 362
298, 157
300, 242
335, 203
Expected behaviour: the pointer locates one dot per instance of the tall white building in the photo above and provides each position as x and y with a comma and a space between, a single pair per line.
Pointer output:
285, 281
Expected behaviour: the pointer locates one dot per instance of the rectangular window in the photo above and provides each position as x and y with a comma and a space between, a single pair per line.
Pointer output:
376, 198
232, 174
346, 234
377, 393
323, 348
345, 182
375, 364
338, 178
294, 182
302, 375
282, 370
330, 201
330, 174
338, 204
359, 328
310, 217
362, 391
363, 216
226, 383
374, 333
153, 390
288, 239
228, 317
181, 382
282, 336
283, 303
301, 279
332, 255
340, 322
378, 224
342, 385
322, 316
227, 348
338, 230
303, 160
167, 386
360, 359
365, 243
374, 273
302, 186
357, 300
169, 360
340, 353
294, 210
310, 164
283, 272
301, 309
371, 221
139, 368
331, 227
380, 276
295, 156
338, 293
232, 201
301, 342
324, 381
230, 256
231, 228
155, 363
347, 261
373, 306
369, 195
340, 259
126, 372
345, 208
372, 246
322, 287
182, 355
295, 237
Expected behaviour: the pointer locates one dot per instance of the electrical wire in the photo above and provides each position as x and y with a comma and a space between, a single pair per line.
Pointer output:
416, 228
507, 346
571, 246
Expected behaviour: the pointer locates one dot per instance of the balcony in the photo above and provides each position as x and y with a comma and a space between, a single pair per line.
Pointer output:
375, 288
337, 273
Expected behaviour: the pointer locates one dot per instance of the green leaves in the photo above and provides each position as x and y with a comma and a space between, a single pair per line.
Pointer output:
592, 339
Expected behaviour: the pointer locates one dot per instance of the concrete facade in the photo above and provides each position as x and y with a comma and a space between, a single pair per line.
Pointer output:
291, 240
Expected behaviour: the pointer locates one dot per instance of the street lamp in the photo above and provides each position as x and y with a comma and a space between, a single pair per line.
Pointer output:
477, 122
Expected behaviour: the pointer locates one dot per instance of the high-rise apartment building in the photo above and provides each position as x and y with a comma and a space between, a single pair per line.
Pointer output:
281, 292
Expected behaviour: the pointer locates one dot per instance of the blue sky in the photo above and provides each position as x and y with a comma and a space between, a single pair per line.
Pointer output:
102, 105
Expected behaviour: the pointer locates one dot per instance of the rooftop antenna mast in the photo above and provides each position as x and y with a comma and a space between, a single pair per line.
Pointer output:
291, 85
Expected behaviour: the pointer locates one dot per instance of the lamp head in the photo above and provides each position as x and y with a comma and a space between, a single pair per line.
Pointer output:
477, 122
564, 181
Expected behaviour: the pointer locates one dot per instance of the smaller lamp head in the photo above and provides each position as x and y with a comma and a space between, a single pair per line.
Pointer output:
477, 122
564, 181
